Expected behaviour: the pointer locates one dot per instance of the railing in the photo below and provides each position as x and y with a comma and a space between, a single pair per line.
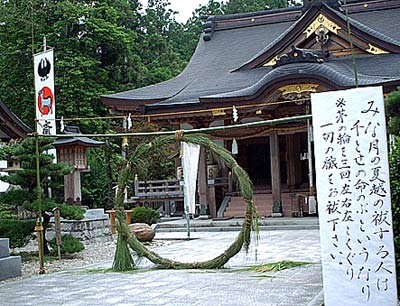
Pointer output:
163, 194
153, 190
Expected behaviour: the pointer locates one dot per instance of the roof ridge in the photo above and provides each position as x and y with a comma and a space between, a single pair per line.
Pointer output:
239, 20
309, 14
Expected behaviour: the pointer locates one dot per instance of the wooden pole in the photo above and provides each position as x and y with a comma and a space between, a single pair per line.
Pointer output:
39, 225
275, 174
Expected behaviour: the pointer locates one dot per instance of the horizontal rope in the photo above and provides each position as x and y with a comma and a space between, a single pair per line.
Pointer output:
192, 131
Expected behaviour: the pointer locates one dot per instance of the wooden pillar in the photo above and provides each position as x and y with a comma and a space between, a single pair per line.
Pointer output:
293, 161
202, 180
275, 173
211, 201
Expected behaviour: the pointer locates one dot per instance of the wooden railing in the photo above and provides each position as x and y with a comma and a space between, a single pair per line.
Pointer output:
164, 194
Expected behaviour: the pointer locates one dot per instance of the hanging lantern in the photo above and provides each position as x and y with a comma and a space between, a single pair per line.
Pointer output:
234, 147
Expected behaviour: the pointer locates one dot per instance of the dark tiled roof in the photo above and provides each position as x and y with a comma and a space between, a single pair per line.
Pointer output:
384, 21
338, 71
211, 71
77, 140
15, 126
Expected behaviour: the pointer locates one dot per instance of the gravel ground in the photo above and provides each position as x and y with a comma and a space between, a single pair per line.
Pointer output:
94, 252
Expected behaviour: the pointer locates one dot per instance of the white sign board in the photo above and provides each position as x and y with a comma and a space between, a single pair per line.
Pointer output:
353, 193
44, 91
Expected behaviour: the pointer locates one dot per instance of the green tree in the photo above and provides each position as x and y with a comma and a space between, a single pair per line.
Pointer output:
158, 29
51, 176
393, 111
94, 43
96, 184
245, 6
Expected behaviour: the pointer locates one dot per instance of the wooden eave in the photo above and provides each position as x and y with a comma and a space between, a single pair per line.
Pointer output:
11, 125
124, 105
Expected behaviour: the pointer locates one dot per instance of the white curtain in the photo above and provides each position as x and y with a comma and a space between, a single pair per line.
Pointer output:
190, 165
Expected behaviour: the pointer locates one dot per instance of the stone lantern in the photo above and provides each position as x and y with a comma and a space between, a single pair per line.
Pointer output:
72, 151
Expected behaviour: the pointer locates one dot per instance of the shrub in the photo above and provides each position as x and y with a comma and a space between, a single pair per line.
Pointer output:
18, 231
72, 212
7, 211
69, 245
145, 215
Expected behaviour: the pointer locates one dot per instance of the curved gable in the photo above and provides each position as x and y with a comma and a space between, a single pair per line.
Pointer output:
324, 28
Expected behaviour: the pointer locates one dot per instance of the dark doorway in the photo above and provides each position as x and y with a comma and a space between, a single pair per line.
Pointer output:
254, 157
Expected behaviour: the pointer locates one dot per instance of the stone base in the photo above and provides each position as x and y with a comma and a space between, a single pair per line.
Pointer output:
203, 217
10, 267
4, 247
277, 215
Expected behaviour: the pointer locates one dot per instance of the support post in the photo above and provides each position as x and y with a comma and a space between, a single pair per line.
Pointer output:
275, 175
112, 220
39, 224
293, 151
203, 188
57, 228
211, 198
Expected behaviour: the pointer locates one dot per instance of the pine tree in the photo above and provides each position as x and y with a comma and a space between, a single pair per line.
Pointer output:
25, 183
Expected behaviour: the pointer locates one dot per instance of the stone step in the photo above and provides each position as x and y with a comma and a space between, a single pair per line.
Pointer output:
264, 203
238, 228
4, 247
308, 221
10, 267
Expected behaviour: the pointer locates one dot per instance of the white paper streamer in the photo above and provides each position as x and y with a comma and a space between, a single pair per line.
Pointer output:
190, 165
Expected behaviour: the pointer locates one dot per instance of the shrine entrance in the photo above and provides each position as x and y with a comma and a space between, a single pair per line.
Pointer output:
254, 157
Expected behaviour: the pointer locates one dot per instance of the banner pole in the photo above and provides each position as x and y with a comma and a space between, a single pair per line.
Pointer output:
39, 224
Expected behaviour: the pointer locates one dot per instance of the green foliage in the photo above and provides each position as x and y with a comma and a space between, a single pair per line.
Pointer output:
395, 192
7, 211
19, 232
393, 111
16, 197
145, 215
275, 266
96, 184
244, 6
71, 212
50, 174
157, 166
70, 245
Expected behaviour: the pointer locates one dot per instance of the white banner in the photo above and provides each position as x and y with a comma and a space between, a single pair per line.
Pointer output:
190, 165
44, 91
353, 193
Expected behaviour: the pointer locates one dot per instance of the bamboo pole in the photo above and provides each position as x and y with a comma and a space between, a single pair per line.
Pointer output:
194, 131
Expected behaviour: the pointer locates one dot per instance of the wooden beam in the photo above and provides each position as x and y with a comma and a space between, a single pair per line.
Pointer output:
275, 167
203, 188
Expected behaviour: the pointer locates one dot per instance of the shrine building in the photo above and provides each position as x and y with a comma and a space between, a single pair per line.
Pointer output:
265, 65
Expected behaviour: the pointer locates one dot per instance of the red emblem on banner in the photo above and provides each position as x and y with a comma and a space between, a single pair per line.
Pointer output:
45, 100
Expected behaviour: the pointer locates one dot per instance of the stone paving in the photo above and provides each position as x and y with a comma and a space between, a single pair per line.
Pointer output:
149, 287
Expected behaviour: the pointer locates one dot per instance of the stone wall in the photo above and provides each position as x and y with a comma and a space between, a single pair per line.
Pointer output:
95, 227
